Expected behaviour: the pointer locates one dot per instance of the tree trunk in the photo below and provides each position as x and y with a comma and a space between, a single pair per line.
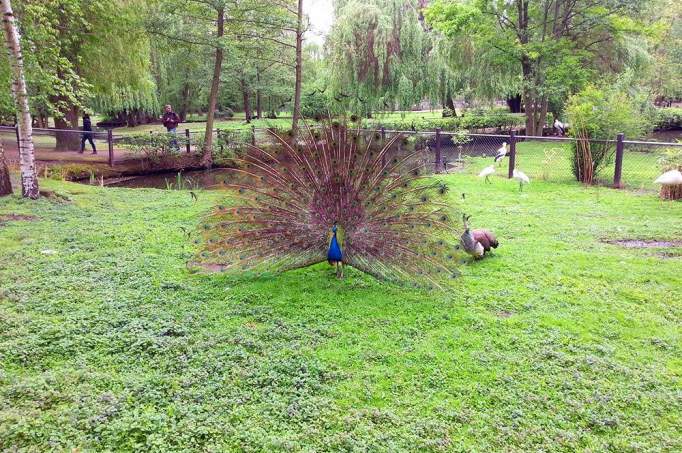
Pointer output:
5, 182
29, 179
207, 159
246, 100
259, 103
65, 139
515, 104
131, 118
449, 103
299, 67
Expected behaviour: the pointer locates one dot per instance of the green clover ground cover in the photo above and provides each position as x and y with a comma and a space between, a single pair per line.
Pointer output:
560, 341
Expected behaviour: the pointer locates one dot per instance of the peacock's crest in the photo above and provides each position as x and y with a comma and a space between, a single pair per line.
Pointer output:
396, 223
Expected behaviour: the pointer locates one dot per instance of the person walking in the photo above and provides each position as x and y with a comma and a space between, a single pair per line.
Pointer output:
170, 122
87, 134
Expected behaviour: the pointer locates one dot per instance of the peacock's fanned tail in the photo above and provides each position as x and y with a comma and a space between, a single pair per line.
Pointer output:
397, 223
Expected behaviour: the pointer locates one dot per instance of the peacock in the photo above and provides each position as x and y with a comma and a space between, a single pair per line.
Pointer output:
477, 242
386, 216
334, 253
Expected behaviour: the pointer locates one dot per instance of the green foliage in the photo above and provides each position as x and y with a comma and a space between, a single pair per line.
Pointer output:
155, 146
545, 51
671, 159
667, 118
601, 114
380, 56
69, 172
480, 120
315, 105
82, 54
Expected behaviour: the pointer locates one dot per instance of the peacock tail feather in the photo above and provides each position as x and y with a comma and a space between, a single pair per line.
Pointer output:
394, 222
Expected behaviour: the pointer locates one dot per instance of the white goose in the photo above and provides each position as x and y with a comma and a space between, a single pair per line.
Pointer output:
486, 173
521, 178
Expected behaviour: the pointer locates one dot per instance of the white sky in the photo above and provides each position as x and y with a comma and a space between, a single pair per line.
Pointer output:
321, 15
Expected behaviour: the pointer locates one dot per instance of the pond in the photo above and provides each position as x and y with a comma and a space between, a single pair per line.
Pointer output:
204, 179
214, 178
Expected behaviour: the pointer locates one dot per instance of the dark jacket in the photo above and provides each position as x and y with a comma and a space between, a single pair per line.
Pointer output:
170, 120
87, 124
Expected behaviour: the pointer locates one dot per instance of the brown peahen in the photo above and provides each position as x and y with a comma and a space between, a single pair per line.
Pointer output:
477, 242
397, 222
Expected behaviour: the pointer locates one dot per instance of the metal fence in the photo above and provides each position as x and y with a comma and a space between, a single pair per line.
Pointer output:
627, 164
630, 164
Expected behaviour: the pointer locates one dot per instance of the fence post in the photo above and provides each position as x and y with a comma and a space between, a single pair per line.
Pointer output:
187, 144
16, 131
110, 142
438, 156
512, 153
618, 173
253, 135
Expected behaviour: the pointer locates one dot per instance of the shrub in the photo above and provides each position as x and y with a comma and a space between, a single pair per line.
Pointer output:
315, 106
600, 114
155, 146
226, 113
668, 118
69, 172
476, 120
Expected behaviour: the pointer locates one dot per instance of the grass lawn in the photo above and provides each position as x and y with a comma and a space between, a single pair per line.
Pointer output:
559, 341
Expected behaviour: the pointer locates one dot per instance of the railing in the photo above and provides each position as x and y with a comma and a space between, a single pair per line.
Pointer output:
633, 162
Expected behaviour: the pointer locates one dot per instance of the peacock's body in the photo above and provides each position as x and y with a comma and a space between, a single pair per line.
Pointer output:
396, 223
334, 253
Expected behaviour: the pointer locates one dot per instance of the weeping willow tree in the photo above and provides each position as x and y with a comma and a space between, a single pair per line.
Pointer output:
471, 71
382, 56
82, 55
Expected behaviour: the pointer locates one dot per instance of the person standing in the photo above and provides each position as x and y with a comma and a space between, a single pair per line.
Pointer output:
170, 122
87, 134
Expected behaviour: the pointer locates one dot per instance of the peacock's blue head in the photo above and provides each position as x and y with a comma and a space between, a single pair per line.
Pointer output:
334, 228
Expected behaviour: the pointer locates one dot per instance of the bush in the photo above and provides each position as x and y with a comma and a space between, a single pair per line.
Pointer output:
315, 106
600, 114
667, 119
155, 146
476, 120
224, 114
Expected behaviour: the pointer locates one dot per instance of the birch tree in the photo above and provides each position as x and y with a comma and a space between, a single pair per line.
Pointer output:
29, 180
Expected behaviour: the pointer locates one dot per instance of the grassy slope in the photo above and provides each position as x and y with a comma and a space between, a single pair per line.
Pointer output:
558, 341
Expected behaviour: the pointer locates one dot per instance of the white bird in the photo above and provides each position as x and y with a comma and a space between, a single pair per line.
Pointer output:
559, 126
669, 178
521, 178
486, 172
502, 152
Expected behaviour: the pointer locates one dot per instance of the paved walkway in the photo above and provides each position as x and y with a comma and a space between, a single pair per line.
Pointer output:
49, 155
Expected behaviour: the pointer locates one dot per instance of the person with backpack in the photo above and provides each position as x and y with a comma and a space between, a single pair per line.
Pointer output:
87, 134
